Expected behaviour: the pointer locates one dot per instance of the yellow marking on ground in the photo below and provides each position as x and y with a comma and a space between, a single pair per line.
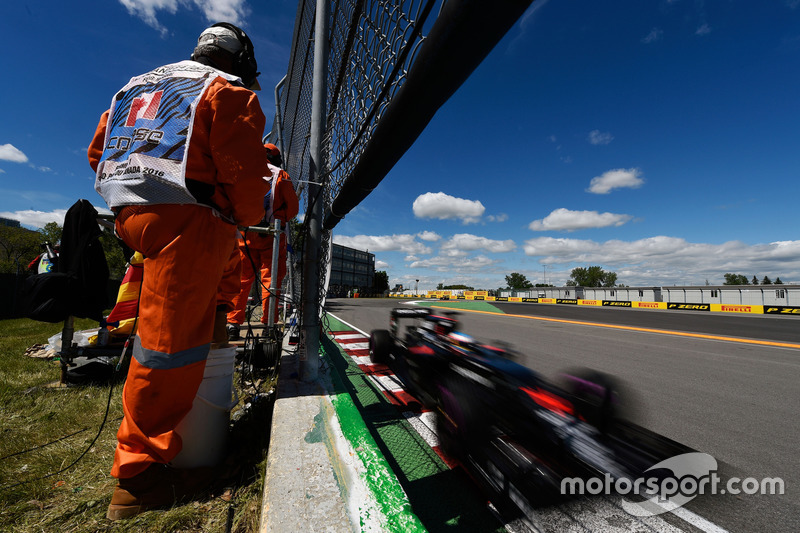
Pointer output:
634, 328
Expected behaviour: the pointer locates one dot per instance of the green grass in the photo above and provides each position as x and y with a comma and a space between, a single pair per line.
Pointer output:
467, 305
45, 427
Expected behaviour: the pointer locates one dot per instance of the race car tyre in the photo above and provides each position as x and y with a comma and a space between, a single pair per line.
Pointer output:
459, 421
446, 427
597, 396
380, 346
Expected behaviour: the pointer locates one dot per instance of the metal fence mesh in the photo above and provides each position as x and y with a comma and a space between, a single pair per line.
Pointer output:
372, 44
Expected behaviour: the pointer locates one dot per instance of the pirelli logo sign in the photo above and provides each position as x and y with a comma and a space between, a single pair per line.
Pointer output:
781, 310
729, 308
615, 303
736, 308
690, 307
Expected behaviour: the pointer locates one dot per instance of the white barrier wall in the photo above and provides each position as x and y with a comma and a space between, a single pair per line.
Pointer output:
783, 295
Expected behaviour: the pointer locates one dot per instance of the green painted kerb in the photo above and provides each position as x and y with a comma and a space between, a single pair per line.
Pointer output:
380, 479
466, 305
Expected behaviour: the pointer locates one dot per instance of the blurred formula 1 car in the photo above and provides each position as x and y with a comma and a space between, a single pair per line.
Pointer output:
517, 434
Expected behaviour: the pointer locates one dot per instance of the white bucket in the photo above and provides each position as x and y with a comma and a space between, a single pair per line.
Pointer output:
204, 430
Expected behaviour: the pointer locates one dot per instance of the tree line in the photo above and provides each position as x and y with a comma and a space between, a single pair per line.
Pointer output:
595, 276
741, 279
592, 276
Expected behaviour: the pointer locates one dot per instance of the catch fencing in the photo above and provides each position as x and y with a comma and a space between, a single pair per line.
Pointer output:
386, 67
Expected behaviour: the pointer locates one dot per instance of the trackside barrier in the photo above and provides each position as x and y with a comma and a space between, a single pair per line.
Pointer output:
782, 310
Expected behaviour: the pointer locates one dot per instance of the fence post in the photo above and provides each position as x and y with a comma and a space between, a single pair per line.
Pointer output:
311, 321
274, 268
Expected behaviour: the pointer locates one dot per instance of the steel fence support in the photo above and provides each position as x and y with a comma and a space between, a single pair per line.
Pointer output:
273, 284
309, 367
279, 118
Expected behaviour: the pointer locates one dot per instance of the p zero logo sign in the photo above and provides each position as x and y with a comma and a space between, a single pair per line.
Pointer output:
501, 299
567, 301
531, 300
782, 310
145, 106
690, 307
614, 303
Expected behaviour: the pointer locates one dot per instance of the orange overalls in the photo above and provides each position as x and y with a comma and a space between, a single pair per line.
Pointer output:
256, 251
186, 248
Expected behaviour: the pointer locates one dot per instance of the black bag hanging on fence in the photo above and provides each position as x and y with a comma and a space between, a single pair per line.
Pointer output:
79, 288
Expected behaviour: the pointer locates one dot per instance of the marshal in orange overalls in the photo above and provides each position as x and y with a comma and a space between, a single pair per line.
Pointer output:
186, 247
255, 249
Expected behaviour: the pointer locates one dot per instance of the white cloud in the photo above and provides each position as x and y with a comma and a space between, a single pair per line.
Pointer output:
704, 29
36, 219
455, 264
235, 11
381, 265
442, 206
383, 243
599, 137
431, 236
9, 152
661, 260
502, 217
655, 35
671, 260
466, 242
566, 220
616, 179
525, 22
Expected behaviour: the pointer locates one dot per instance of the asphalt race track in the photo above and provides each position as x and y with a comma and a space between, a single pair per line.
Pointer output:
726, 385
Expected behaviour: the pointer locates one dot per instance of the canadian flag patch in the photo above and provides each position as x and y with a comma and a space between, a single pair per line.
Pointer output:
145, 106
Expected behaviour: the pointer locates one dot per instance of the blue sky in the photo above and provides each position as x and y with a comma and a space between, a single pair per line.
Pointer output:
657, 139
